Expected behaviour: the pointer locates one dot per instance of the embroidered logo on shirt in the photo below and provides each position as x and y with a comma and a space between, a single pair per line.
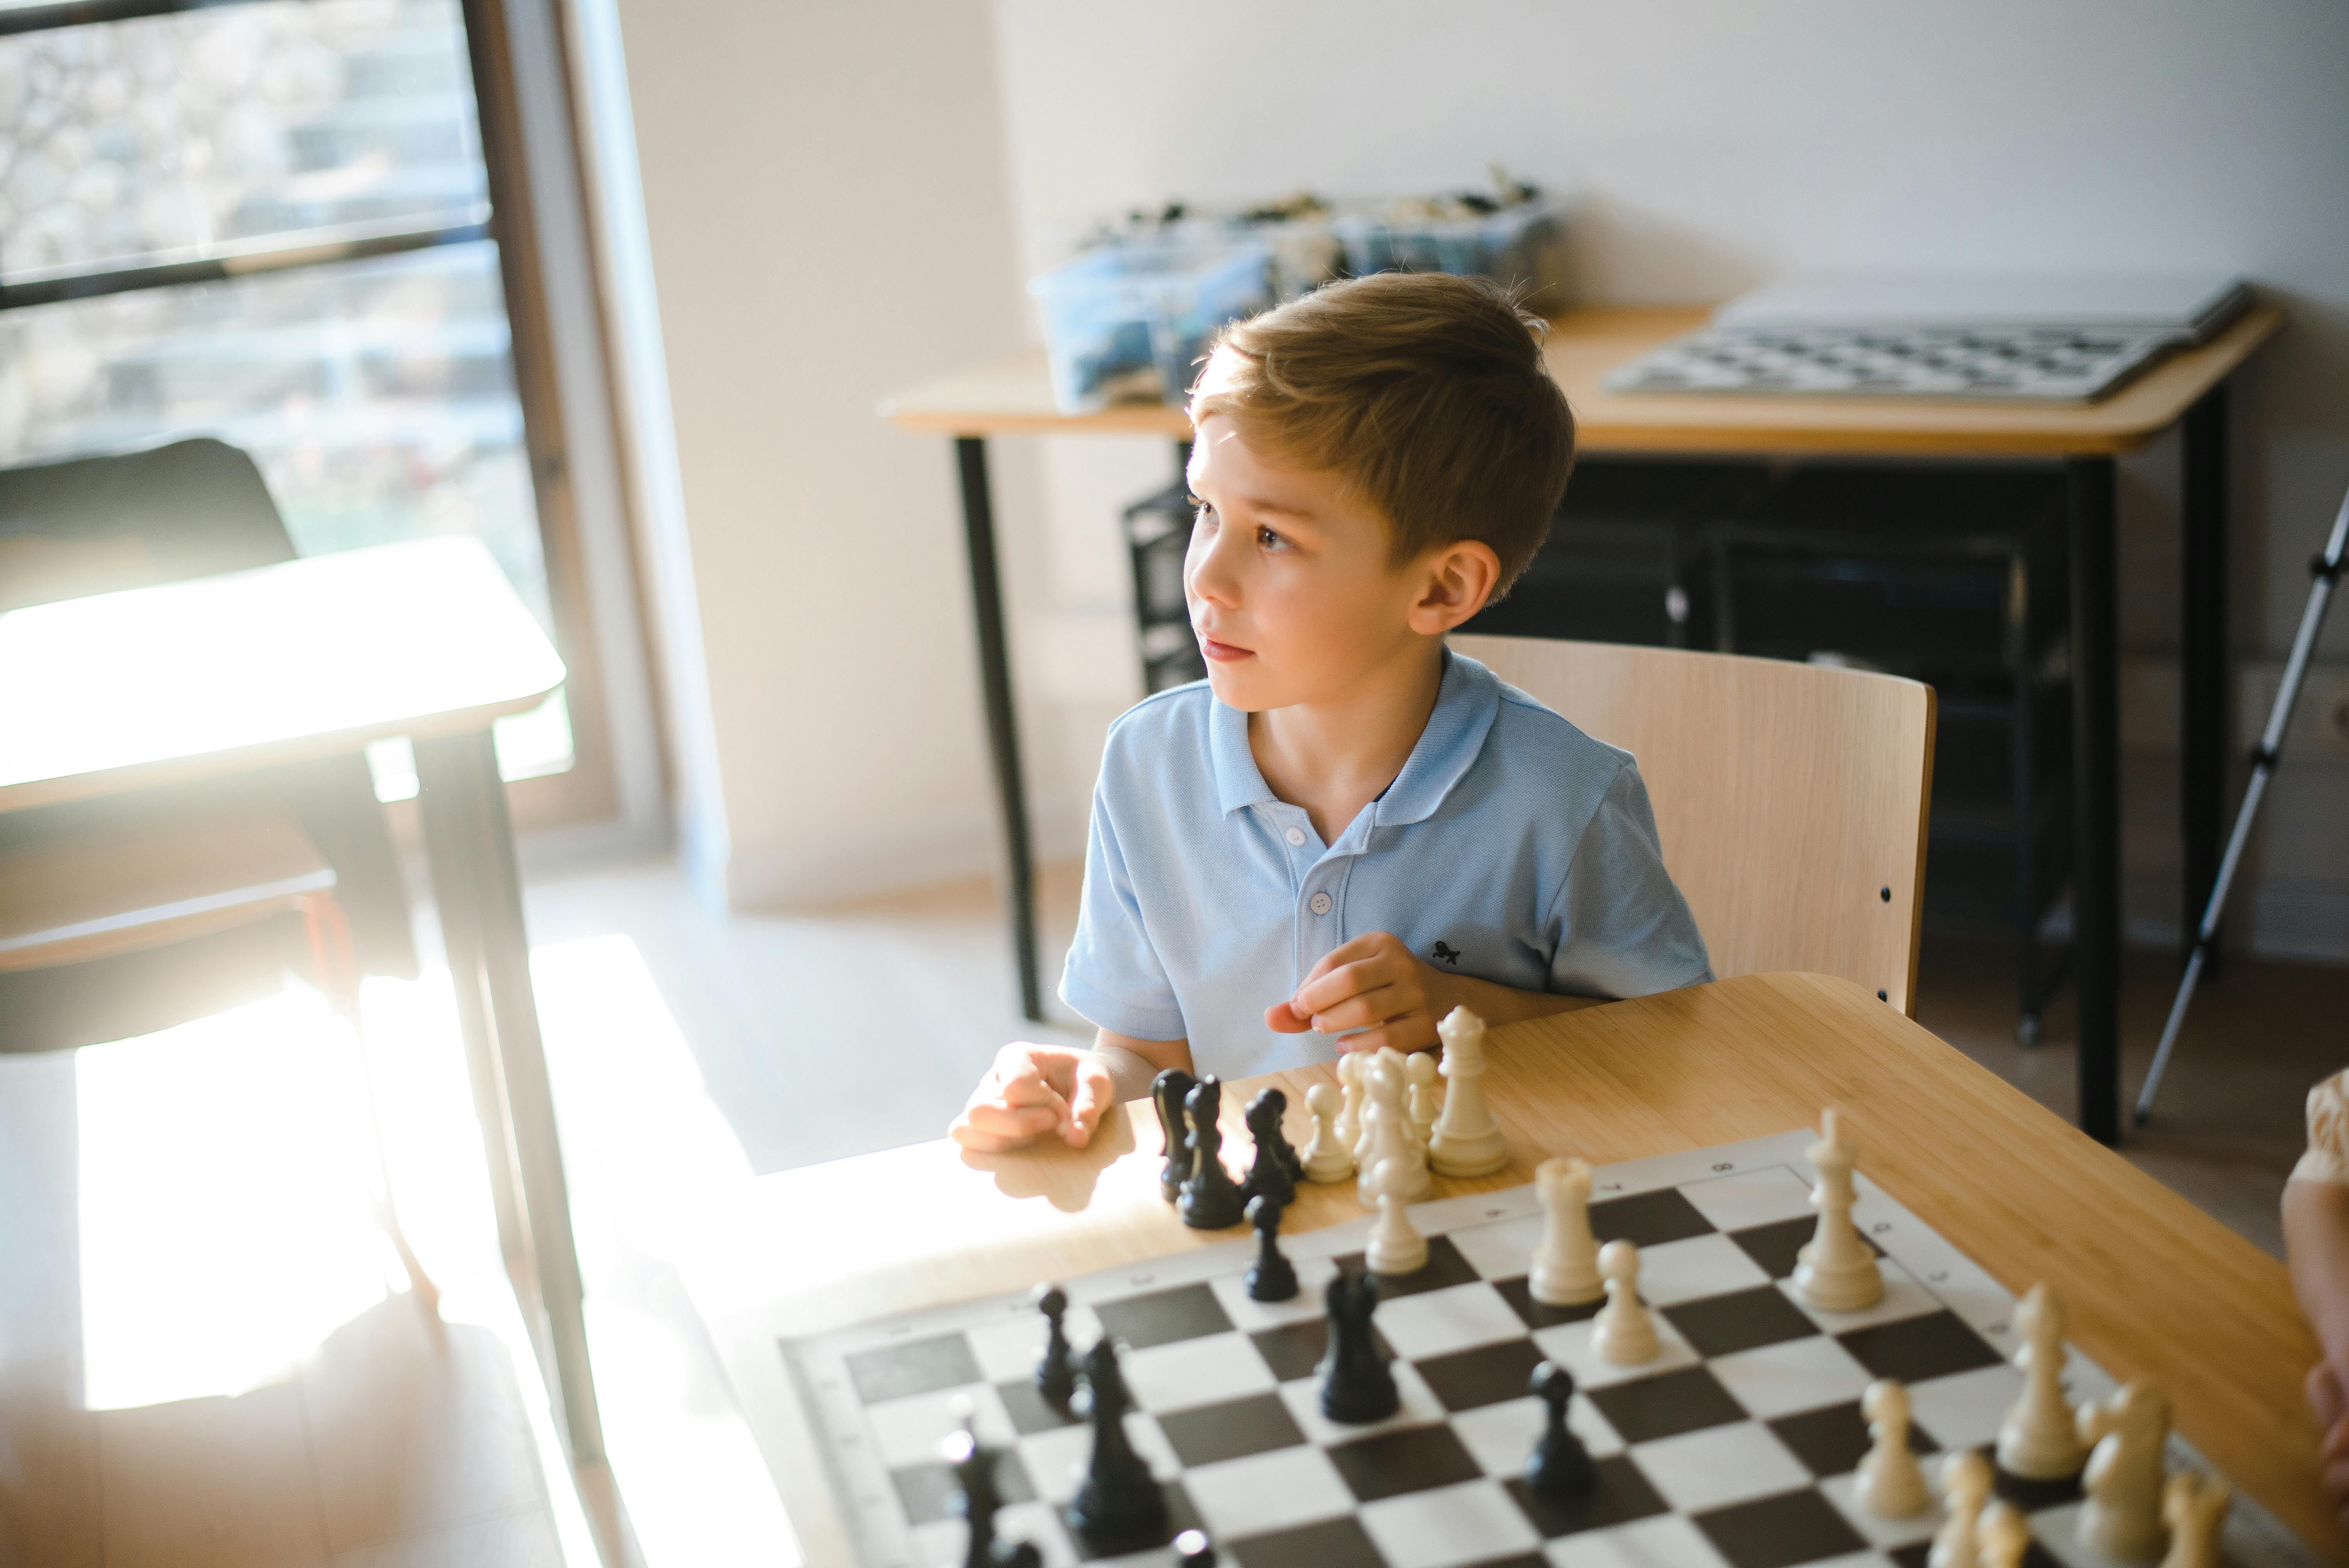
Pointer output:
1449, 953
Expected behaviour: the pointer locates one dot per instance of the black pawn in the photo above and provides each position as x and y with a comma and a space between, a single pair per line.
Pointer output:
1017, 1554
1167, 1091
1269, 1278
1269, 1174
1056, 1373
1559, 1467
1356, 1387
974, 1469
1193, 1550
1210, 1200
1119, 1501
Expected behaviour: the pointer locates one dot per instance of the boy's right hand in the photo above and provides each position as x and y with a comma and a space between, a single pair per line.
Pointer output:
1033, 1090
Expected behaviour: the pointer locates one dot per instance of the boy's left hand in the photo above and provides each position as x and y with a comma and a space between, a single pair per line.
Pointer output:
1374, 985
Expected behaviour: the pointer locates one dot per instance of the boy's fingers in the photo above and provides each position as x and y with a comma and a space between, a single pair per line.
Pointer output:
1354, 979
1094, 1091
1373, 1006
1011, 1120
1283, 1019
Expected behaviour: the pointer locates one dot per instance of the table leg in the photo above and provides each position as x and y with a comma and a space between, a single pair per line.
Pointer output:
466, 767
1002, 722
2203, 742
2095, 793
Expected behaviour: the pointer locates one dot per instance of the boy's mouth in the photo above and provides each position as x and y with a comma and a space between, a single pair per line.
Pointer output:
1223, 653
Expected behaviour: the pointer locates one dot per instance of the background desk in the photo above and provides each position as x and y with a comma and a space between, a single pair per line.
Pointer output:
2156, 1287
1014, 396
216, 675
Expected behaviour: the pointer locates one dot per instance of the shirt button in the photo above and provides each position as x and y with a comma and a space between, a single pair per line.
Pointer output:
1294, 835
1318, 903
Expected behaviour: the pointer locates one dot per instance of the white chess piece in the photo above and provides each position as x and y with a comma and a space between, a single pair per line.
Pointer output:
1623, 1332
1350, 1086
2005, 1537
1966, 1481
1565, 1270
2122, 1516
1395, 1247
1836, 1271
1388, 1141
2195, 1508
2038, 1440
1381, 1076
1467, 1138
1891, 1483
1326, 1158
1419, 1071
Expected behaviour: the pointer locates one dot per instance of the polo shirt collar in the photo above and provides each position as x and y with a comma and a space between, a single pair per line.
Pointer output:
1465, 705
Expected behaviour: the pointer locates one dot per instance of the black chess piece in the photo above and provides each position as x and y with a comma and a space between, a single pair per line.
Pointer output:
1270, 1277
1356, 1387
1193, 1550
1210, 1200
1559, 1467
1017, 1554
1119, 1501
1167, 1091
978, 1499
1056, 1373
1269, 1174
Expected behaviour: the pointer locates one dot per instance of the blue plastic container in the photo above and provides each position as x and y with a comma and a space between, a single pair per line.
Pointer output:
1125, 322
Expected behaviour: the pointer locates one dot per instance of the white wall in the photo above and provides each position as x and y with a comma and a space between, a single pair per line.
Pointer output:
1717, 144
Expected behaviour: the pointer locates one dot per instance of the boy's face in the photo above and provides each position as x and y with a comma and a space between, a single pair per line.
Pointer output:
1292, 592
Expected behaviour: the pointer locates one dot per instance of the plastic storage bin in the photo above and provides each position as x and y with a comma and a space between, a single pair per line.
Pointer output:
1127, 321
1514, 245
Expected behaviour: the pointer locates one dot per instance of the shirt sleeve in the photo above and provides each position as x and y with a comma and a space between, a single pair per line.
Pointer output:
1618, 924
1113, 977
2327, 1159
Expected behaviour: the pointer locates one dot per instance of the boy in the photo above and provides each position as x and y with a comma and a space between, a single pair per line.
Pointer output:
2316, 1240
1347, 830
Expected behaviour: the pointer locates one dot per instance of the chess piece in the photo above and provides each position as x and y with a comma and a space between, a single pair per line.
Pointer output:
1388, 1141
1966, 1481
1383, 1085
1167, 1091
1056, 1373
1327, 1158
1356, 1386
1623, 1332
1836, 1271
1467, 1138
1119, 1501
1269, 1171
2195, 1506
1420, 1073
1349, 1126
1270, 1277
2039, 1439
1210, 1200
2121, 1518
1193, 1550
1559, 1467
1020, 1554
1565, 1270
1891, 1484
2005, 1536
1396, 1248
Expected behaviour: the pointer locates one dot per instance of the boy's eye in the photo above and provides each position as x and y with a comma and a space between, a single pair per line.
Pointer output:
1200, 509
1268, 539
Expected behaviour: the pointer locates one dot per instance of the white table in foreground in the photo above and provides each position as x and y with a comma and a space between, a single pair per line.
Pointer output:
214, 675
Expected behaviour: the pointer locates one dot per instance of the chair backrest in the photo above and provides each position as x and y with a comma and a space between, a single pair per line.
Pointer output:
1791, 799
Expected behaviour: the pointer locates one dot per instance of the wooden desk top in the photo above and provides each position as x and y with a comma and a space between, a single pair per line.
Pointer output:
2156, 1287
124, 690
1014, 396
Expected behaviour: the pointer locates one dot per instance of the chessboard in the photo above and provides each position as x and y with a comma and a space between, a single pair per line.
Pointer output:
1735, 1448
2030, 364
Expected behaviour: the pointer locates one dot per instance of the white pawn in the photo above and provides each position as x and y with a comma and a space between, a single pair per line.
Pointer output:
1381, 1076
1388, 1140
1836, 1271
2122, 1516
1623, 1332
1395, 1247
1565, 1270
1891, 1483
1349, 1086
1966, 1481
2038, 1440
2005, 1537
1467, 1139
1326, 1158
1419, 1071
2195, 1506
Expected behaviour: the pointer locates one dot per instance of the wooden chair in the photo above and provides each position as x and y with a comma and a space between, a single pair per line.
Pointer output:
1792, 798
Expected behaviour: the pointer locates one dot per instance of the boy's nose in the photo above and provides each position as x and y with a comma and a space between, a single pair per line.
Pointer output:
1208, 570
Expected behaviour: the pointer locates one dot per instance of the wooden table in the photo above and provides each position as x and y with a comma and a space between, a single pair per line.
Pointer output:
1013, 397
214, 675
2156, 1287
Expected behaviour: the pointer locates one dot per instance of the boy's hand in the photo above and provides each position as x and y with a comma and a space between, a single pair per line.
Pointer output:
1373, 983
2328, 1396
1033, 1090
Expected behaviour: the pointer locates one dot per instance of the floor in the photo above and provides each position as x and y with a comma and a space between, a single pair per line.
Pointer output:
204, 1357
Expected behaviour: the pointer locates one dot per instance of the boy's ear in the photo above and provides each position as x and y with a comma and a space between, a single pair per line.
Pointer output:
1456, 579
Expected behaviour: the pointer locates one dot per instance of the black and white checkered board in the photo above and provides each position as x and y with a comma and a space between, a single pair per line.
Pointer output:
1734, 1450
2017, 365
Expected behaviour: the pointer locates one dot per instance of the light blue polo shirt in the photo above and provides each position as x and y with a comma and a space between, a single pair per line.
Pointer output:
1512, 847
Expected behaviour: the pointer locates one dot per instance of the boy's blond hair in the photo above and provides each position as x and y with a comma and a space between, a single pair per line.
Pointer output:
1424, 391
